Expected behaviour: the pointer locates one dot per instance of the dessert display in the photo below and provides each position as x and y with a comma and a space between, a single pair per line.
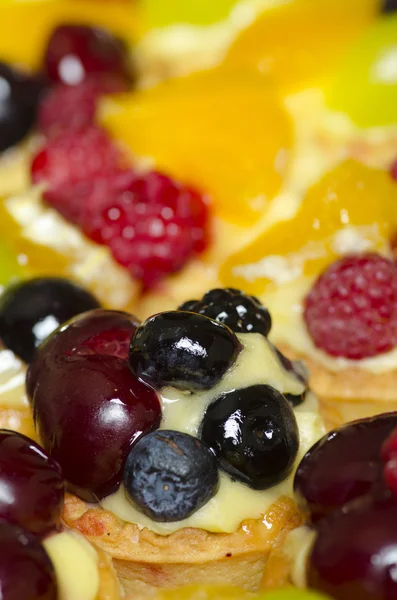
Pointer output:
214, 170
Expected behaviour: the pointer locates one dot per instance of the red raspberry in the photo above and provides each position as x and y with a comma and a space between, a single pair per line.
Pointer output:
352, 309
74, 163
67, 107
389, 455
153, 225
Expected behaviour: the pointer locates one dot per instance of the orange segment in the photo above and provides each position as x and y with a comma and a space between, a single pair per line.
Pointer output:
355, 202
26, 25
32, 258
300, 40
227, 135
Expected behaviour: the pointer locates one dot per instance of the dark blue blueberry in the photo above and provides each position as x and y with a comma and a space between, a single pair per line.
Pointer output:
184, 350
254, 434
169, 475
19, 98
242, 313
31, 310
389, 6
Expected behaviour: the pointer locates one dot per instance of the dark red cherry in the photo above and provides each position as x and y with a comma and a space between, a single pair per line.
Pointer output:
95, 332
89, 410
26, 571
345, 464
31, 484
354, 555
76, 53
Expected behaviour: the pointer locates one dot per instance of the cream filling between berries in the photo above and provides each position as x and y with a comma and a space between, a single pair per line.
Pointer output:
183, 411
76, 565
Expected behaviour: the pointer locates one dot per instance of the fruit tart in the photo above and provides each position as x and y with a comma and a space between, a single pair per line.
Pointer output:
41, 558
346, 486
177, 437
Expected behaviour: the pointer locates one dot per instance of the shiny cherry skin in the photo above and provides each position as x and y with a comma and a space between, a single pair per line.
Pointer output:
31, 484
254, 434
89, 410
32, 309
26, 571
355, 551
19, 98
98, 331
184, 350
76, 53
344, 465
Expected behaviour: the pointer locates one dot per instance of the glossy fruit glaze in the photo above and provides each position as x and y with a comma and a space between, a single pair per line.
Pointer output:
31, 484
89, 408
344, 465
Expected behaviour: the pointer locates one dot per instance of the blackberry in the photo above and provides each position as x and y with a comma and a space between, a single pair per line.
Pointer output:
242, 313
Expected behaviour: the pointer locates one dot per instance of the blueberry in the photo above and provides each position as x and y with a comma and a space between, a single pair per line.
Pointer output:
389, 6
298, 369
31, 310
254, 434
184, 350
19, 97
168, 475
242, 313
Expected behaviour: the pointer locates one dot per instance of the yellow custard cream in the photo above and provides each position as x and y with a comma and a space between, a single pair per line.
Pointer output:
76, 566
12, 380
234, 502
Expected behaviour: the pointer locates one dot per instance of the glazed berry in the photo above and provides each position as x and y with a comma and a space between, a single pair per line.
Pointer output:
254, 434
169, 475
26, 571
106, 332
31, 310
299, 370
352, 309
89, 410
19, 97
31, 484
72, 164
389, 6
355, 552
242, 313
65, 108
344, 465
183, 350
76, 53
389, 455
152, 224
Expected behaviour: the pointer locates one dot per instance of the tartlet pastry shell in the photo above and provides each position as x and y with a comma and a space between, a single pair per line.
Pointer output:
350, 393
145, 561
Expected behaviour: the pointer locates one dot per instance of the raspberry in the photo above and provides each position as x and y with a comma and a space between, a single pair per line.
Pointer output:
242, 313
153, 225
352, 309
74, 163
68, 107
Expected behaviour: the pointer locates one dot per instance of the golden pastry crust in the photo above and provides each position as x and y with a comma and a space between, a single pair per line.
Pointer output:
18, 419
145, 560
351, 393
109, 586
